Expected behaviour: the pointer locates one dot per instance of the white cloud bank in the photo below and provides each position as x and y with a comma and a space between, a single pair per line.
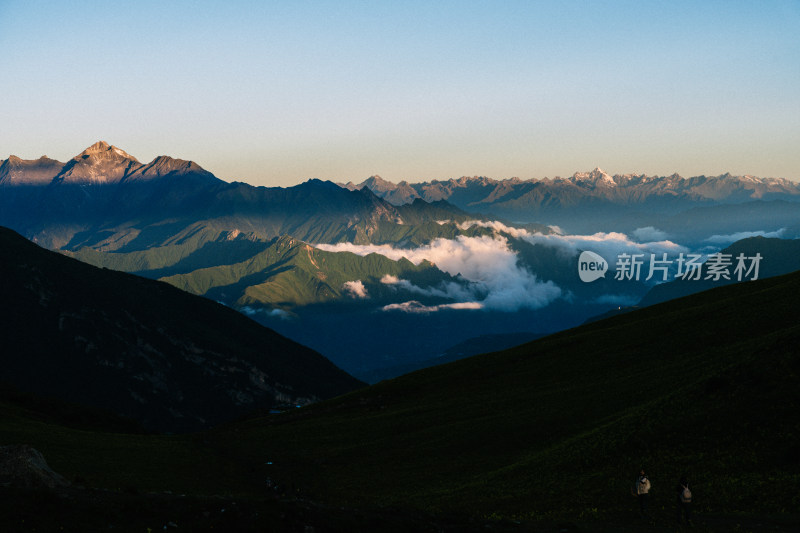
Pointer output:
609, 245
495, 279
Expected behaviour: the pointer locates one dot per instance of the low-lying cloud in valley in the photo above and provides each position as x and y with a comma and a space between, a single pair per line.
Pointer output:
733, 237
274, 313
416, 307
493, 276
609, 245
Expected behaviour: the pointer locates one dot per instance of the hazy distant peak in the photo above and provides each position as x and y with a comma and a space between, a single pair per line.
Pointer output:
18, 161
466, 180
165, 164
376, 183
350, 186
18, 171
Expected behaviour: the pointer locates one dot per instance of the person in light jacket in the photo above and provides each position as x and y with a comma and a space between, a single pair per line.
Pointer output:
642, 488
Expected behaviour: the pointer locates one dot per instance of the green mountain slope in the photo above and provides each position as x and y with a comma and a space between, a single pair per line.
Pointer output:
290, 272
178, 247
706, 385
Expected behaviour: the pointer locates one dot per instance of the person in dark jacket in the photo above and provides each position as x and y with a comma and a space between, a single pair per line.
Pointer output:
684, 501
642, 488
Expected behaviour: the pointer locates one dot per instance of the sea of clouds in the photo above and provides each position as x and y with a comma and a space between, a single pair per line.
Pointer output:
493, 277
492, 274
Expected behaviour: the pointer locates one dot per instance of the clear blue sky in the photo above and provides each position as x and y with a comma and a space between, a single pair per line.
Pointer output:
274, 93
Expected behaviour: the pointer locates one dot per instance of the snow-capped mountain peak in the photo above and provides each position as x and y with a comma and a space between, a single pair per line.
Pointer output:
596, 177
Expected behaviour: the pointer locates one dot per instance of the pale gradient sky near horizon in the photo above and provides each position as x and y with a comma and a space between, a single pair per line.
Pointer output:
274, 93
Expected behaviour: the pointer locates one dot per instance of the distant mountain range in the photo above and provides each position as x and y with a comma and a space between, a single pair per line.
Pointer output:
583, 188
105, 199
143, 349
595, 193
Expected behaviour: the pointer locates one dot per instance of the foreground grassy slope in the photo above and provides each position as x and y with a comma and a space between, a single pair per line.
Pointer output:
706, 386
550, 431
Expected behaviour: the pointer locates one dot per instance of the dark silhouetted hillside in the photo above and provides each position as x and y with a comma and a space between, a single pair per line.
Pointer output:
142, 348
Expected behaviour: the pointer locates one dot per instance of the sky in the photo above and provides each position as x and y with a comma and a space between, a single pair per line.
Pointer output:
275, 93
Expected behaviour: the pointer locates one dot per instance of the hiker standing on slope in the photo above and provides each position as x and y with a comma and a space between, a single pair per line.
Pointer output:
684, 501
642, 488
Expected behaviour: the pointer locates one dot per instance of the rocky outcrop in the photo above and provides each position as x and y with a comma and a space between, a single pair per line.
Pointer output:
24, 467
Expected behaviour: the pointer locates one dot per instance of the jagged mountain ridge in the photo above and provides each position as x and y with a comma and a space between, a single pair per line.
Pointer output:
105, 199
16, 171
515, 197
100, 163
143, 349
